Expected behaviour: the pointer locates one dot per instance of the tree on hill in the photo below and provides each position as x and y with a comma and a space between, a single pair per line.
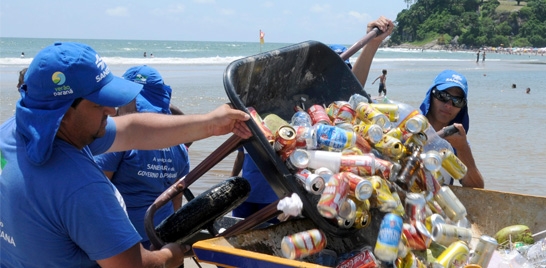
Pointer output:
472, 23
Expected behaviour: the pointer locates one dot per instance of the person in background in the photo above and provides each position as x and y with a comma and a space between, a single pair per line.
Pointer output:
22, 55
143, 175
21, 80
382, 82
361, 67
58, 207
445, 104
339, 49
261, 193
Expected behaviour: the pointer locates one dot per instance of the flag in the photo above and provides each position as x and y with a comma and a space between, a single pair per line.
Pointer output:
262, 34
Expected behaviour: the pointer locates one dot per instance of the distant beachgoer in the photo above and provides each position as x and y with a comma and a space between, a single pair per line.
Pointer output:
151, 55
22, 54
382, 82
144, 54
478, 56
528, 90
483, 55
21, 79
513, 85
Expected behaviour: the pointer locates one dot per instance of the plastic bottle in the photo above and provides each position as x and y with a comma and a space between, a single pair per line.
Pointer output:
301, 118
434, 142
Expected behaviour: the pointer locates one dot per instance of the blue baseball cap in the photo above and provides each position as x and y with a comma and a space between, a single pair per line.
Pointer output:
339, 49
59, 74
444, 80
155, 95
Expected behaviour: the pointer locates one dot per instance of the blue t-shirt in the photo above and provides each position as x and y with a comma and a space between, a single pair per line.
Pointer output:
260, 192
63, 213
143, 175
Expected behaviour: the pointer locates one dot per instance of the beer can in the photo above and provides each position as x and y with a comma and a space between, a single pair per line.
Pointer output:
483, 251
391, 147
373, 133
455, 255
359, 187
409, 261
388, 238
382, 195
432, 160
415, 207
417, 123
389, 109
347, 210
299, 159
452, 164
312, 183
341, 111
433, 220
285, 141
450, 204
362, 216
334, 194
414, 239
365, 112
345, 223
303, 244
445, 234
318, 115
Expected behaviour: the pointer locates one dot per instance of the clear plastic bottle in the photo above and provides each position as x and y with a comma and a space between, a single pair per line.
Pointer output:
434, 142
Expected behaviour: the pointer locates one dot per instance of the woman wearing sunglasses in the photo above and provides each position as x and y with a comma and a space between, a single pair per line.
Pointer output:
446, 103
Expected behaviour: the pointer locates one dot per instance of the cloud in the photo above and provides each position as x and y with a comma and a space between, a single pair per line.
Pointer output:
204, 1
361, 17
227, 11
320, 8
118, 12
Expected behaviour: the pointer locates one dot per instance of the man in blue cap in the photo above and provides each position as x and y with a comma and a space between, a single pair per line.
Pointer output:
445, 104
58, 208
143, 175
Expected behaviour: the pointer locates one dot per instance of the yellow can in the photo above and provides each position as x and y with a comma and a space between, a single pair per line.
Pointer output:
455, 255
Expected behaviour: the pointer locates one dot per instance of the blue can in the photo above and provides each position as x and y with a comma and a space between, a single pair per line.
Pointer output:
334, 137
390, 231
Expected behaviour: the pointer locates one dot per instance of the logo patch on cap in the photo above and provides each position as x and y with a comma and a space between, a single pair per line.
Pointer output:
59, 79
455, 78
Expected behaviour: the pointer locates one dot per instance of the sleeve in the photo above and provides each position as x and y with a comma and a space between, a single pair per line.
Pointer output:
109, 161
104, 143
96, 221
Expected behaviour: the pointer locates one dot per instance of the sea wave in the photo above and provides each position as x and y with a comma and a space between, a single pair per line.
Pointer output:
138, 61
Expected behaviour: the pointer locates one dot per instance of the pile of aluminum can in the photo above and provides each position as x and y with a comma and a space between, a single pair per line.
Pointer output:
357, 156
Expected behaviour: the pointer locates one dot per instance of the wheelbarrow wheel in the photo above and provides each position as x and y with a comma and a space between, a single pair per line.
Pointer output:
203, 210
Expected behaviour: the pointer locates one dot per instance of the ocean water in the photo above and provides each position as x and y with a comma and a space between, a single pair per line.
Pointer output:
507, 125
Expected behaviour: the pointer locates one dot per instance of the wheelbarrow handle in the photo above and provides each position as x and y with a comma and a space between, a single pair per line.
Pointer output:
360, 43
214, 158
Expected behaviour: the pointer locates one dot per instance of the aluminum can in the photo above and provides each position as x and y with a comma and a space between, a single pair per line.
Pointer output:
445, 234
365, 112
417, 235
455, 255
391, 147
390, 231
299, 159
364, 258
415, 207
368, 165
417, 123
389, 109
345, 223
359, 187
432, 160
347, 210
259, 121
383, 197
335, 192
409, 261
341, 112
334, 137
450, 204
312, 183
433, 220
371, 132
285, 141
303, 244
363, 218
452, 164
318, 115
483, 251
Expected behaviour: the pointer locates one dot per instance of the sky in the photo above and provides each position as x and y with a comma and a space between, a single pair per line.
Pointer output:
195, 20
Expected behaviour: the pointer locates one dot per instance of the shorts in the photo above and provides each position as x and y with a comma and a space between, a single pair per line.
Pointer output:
382, 89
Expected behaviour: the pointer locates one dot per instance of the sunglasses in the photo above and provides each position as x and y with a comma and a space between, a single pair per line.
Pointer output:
444, 97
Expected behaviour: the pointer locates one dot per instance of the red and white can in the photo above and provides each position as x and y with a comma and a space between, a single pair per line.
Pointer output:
313, 183
303, 244
335, 192
318, 115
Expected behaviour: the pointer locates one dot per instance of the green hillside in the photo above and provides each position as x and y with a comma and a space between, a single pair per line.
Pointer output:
472, 23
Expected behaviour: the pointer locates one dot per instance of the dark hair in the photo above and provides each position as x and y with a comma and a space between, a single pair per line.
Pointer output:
384, 71
76, 102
